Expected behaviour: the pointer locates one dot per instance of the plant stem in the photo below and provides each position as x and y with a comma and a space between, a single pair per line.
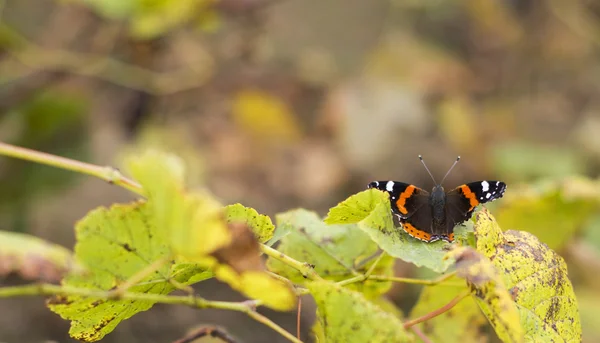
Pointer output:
139, 276
365, 276
109, 174
198, 302
266, 321
437, 312
416, 281
304, 268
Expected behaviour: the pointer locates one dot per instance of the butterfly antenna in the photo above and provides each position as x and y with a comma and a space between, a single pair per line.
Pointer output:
421, 158
449, 170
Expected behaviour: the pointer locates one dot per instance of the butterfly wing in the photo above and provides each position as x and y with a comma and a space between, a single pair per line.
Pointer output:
405, 198
461, 201
411, 205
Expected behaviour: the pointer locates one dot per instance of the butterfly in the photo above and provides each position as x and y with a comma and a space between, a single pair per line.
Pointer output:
432, 216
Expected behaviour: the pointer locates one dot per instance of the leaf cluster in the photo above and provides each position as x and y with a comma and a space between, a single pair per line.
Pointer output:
130, 256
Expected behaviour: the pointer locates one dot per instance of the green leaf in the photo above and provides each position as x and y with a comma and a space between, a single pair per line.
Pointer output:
193, 220
357, 207
115, 244
462, 323
489, 292
35, 259
347, 316
260, 224
371, 210
551, 210
336, 251
197, 229
536, 278
382, 302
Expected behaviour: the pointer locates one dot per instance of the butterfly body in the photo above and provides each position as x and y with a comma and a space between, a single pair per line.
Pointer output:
433, 216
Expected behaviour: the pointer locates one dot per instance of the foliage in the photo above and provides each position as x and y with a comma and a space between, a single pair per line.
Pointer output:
462, 323
133, 255
34, 258
115, 244
337, 252
370, 209
346, 316
536, 278
150, 18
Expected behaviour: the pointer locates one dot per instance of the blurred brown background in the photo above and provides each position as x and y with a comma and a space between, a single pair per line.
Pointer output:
279, 104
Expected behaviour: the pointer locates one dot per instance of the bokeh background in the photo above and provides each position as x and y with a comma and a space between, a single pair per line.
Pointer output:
279, 104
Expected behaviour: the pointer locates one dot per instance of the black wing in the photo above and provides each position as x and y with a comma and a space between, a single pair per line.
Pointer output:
461, 201
405, 198
411, 204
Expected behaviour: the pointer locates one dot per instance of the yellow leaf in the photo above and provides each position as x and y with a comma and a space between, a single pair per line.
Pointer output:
489, 292
536, 278
194, 221
265, 117
258, 285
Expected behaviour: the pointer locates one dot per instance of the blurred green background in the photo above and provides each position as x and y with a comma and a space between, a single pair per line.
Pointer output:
280, 104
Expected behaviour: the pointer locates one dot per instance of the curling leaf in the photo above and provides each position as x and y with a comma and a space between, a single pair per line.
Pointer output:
33, 258
260, 224
536, 278
371, 210
194, 220
489, 292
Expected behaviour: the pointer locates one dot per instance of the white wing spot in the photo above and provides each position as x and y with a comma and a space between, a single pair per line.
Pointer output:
389, 186
497, 183
485, 186
487, 196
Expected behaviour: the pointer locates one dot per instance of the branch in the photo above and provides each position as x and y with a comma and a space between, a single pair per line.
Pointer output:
109, 174
418, 281
246, 307
437, 312
304, 268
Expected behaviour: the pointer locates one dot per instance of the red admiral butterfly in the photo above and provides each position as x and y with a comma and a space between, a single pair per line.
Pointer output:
431, 217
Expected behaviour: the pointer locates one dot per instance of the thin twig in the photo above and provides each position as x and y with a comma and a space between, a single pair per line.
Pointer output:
418, 281
197, 302
139, 276
421, 335
108, 174
304, 268
298, 317
266, 321
374, 265
437, 312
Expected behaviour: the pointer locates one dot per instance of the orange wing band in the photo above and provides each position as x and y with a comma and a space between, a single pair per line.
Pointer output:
470, 195
416, 233
401, 202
